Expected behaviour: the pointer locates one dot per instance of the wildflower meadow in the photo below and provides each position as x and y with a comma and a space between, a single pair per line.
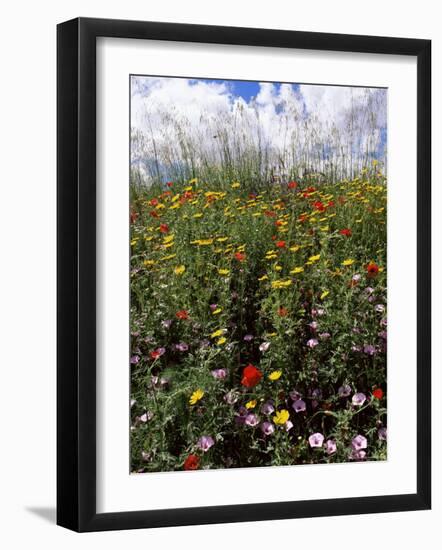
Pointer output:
258, 294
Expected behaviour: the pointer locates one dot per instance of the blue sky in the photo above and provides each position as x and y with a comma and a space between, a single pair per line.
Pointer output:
243, 88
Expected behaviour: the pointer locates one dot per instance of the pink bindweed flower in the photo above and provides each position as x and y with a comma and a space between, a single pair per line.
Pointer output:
252, 420
358, 399
316, 440
358, 455
288, 425
205, 442
248, 338
267, 428
267, 408
382, 433
219, 374
264, 346
299, 406
134, 359
231, 397
359, 442
330, 446
295, 395
312, 343
369, 349
344, 391
182, 346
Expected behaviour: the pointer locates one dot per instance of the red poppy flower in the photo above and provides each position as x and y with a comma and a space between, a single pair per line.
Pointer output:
153, 202
302, 218
169, 183
345, 232
292, 185
182, 314
310, 189
378, 393
372, 269
164, 228
154, 214
278, 223
283, 312
192, 462
240, 256
280, 244
155, 354
269, 213
133, 216
251, 376
319, 206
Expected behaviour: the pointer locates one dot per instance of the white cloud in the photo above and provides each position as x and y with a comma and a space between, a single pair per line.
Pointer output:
193, 117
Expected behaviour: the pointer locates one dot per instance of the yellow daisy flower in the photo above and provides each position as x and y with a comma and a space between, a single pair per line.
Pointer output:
196, 396
281, 417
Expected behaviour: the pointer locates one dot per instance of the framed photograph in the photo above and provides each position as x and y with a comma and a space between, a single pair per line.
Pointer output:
243, 216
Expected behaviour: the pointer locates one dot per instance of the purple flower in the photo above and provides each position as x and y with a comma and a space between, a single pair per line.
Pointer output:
383, 322
358, 455
182, 346
369, 349
299, 406
295, 395
231, 397
205, 442
166, 323
219, 374
264, 346
382, 433
213, 307
288, 425
359, 442
344, 391
330, 446
146, 416
267, 428
252, 420
312, 343
240, 416
134, 359
248, 338
356, 278
379, 308
324, 335
358, 399
317, 393
267, 408
313, 325
316, 440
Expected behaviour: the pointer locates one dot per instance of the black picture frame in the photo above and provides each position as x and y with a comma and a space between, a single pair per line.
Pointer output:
76, 273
